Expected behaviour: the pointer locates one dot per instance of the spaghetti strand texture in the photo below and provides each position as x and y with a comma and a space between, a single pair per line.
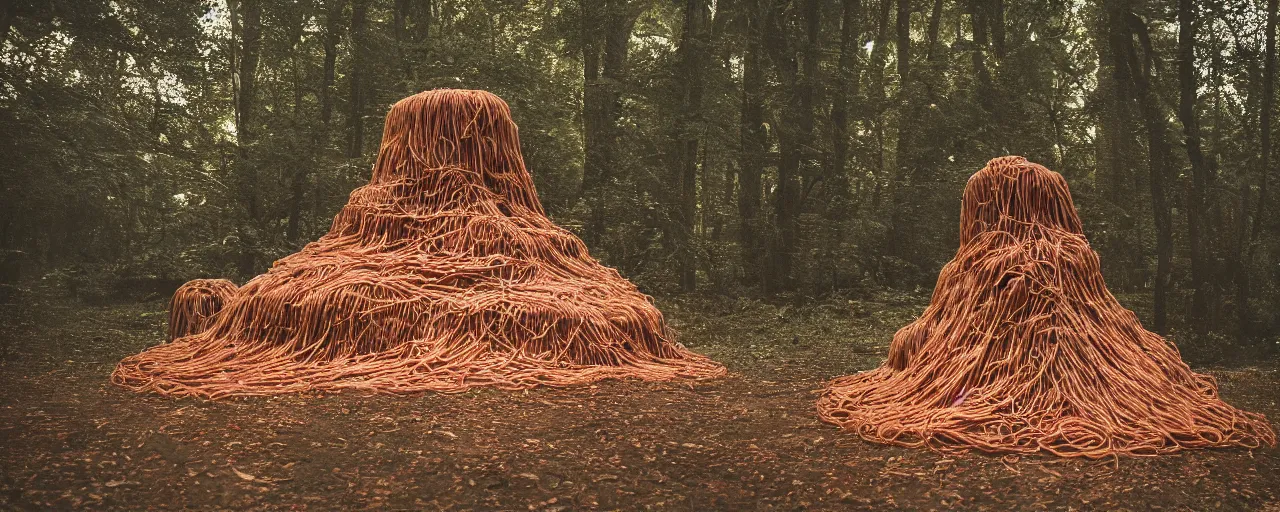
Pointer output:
1023, 349
442, 274
194, 303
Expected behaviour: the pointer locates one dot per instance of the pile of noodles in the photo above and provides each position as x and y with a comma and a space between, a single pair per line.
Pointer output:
443, 273
1023, 349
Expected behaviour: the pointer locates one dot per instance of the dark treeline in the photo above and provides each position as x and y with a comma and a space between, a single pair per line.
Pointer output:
803, 148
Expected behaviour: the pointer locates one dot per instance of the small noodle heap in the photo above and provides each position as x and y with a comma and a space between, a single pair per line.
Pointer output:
194, 303
442, 274
1023, 349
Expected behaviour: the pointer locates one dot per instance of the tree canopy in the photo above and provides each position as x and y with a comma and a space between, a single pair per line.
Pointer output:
780, 148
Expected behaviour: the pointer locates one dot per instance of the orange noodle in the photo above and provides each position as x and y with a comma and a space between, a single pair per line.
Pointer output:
195, 303
1023, 349
442, 274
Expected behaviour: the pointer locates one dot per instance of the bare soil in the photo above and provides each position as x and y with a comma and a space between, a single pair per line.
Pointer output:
71, 440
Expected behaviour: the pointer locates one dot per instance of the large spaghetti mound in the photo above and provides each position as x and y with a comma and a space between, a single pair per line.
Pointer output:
443, 273
1023, 349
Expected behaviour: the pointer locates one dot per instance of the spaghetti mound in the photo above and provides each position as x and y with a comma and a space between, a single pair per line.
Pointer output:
194, 303
1023, 349
442, 274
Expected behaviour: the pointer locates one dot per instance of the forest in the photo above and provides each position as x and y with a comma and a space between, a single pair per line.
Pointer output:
810, 148
783, 177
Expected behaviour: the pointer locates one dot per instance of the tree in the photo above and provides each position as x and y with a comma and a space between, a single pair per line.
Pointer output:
846, 87
1246, 242
796, 128
900, 238
754, 144
359, 85
299, 16
752, 141
246, 27
1200, 172
606, 34
693, 49
1134, 65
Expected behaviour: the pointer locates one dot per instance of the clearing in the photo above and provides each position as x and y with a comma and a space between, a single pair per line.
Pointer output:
748, 441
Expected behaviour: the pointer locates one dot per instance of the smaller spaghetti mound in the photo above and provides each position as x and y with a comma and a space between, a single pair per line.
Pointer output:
195, 303
1023, 349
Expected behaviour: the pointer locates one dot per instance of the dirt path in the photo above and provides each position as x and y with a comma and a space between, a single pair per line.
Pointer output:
750, 441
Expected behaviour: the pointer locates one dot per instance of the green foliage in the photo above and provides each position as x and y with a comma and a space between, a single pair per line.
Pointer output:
128, 156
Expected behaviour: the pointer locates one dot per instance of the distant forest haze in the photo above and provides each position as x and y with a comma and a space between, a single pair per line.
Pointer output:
779, 149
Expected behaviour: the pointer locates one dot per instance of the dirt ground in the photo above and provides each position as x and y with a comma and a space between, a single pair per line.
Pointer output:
71, 440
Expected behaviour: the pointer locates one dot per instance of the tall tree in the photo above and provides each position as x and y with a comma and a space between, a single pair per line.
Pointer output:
1268, 100
7, 14
246, 29
1137, 65
935, 24
359, 86
979, 18
1245, 241
879, 55
1200, 172
903, 43
846, 87
902, 182
838, 184
299, 17
399, 31
692, 50
752, 140
796, 64
331, 37
1116, 151
606, 36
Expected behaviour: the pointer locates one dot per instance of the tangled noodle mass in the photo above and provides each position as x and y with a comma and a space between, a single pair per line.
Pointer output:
195, 303
442, 274
1023, 349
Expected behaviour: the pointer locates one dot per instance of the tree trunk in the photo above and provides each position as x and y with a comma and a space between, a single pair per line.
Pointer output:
1268, 99
7, 15
847, 87
996, 23
840, 202
935, 22
795, 132
981, 41
876, 75
359, 80
1112, 136
903, 43
1196, 211
1246, 246
1117, 147
332, 36
602, 99
1154, 120
301, 163
899, 237
753, 141
692, 50
246, 25
399, 18
592, 108
422, 13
